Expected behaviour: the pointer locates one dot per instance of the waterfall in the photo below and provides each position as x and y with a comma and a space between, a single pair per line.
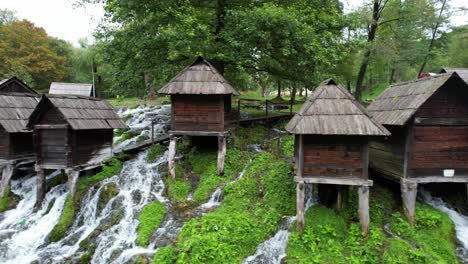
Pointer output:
460, 221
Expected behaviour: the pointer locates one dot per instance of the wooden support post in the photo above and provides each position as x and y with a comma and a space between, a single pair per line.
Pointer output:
266, 111
152, 132
339, 198
238, 112
41, 187
409, 190
7, 174
363, 193
171, 156
300, 205
291, 110
73, 176
221, 154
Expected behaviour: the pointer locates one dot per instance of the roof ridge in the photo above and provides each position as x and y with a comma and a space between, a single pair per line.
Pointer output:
440, 75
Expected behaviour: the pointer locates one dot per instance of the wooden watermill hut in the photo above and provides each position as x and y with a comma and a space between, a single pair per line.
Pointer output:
83, 89
428, 119
331, 133
16, 142
72, 133
15, 85
201, 106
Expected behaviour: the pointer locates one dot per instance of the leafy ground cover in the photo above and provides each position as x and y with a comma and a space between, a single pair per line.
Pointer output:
150, 219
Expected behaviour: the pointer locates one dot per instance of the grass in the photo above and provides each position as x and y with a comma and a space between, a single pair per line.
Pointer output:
154, 152
133, 102
6, 200
178, 189
249, 214
370, 95
70, 208
127, 135
150, 219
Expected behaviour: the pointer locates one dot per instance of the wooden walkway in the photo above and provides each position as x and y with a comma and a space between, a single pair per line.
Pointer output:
137, 147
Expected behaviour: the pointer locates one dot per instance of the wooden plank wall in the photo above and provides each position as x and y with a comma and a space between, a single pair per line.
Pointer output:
198, 112
386, 155
444, 146
89, 145
14, 87
341, 157
51, 117
51, 146
4, 144
21, 144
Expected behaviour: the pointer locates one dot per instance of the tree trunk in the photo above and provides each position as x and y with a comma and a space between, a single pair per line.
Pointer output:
149, 85
279, 88
434, 34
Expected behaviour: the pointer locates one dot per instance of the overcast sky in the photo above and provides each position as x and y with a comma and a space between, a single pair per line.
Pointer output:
61, 19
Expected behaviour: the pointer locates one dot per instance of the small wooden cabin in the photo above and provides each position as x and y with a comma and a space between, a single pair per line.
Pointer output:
331, 133
428, 119
72, 133
462, 72
83, 89
201, 106
16, 142
15, 85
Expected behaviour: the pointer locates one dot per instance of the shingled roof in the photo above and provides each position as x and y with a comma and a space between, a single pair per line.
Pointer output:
84, 89
80, 112
462, 72
332, 110
199, 78
15, 109
398, 103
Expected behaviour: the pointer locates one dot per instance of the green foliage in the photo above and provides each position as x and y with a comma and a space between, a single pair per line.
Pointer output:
165, 255
127, 117
150, 219
248, 136
178, 188
6, 200
88, 256
154, 152
65, 221
108, 170
119, 131
127, 135
249, 214
287, 146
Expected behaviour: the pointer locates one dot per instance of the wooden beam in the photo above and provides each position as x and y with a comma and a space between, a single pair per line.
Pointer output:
197, 133
73, 176
441, 121
171, 156
334, 180
300, 207
7, 173
339, 199
409, 191
437, 179
300, 158
62, 126
41, 187
364, 219
221, 154
365, 160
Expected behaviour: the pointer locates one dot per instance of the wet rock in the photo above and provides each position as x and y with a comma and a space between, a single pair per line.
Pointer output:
118, 203
136, 196
49, 206
108, 192
106, 223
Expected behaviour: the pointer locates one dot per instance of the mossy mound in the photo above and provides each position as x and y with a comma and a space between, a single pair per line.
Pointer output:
150, 219
8, 201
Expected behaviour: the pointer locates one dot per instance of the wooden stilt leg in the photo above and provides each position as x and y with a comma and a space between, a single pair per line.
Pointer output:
300, 189
339, 199
409, 190
41, 187
171, 156
7, 173
72, 181
363, 193
221, 154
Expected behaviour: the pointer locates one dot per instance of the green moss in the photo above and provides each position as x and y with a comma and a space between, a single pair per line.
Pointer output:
88, 256
49, 206
249, 136
57, 180
178, 188
109, 170
150, 219
154, 152
125, 118
165, 255
127, 135
65, 221
6, 200
249, 214
119, 131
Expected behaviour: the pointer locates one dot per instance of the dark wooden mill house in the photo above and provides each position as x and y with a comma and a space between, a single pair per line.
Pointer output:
428, 119
72, 133
331, 134
201, 106
15, 85
462, 72
16, 142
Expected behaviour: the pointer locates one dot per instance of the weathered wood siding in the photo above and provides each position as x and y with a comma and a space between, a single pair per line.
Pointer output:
52, 146
91, 146
386, 155
4, 144
14, 87
197, 112
334, 157
442, 141
21, 145
52, 117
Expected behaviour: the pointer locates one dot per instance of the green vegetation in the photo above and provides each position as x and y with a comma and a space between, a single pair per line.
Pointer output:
287, 146
6, 200
331, 237
165, 255
133, 102
251, 210
154, 152
178, 188
88, 256
65, 221
127, 135
150, 219
119, 131
70, 207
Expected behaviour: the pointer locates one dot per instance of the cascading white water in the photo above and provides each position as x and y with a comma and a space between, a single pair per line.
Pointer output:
460, 221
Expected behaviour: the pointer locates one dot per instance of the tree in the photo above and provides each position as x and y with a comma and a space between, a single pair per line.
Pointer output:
25, 51
7, 16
